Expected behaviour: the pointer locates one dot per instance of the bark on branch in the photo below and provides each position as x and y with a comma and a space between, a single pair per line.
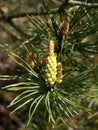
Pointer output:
24, 14
8, 18
73, 2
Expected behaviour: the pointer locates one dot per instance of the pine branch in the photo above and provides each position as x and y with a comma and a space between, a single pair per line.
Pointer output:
6, 19
24, 14
73, 2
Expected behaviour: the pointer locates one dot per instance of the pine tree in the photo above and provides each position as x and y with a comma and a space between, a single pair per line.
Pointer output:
62, 72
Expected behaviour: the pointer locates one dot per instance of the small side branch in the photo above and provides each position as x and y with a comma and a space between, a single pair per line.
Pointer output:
24, 14
9, 18
73, 2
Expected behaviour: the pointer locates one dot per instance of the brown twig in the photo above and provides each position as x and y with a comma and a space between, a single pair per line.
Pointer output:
24, 14
8, 18
73, 2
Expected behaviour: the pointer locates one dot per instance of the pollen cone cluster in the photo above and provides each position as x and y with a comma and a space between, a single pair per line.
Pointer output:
59, 73
51, 65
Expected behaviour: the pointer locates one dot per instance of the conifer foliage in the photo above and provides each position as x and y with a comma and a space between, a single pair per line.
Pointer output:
60, 73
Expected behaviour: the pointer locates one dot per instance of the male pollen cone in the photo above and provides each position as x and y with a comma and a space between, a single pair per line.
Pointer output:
51, 65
